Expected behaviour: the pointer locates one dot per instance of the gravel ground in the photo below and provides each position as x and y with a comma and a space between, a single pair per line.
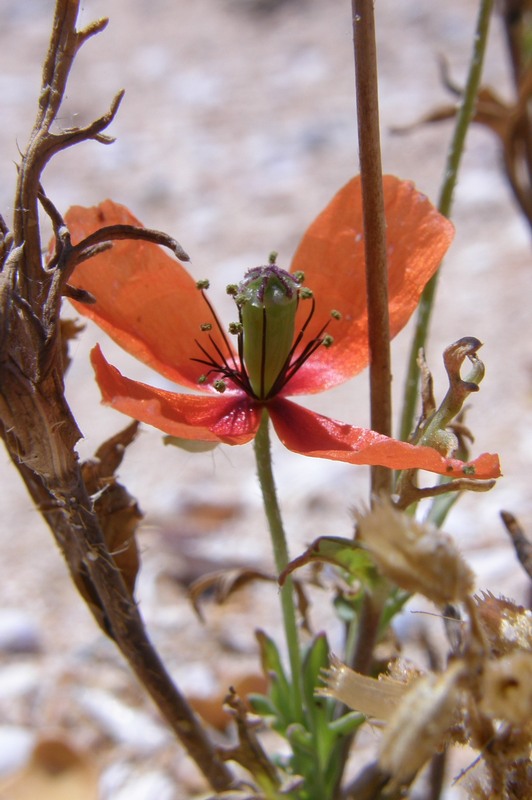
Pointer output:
237, 127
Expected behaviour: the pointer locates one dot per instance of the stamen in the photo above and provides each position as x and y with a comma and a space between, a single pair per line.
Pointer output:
202, 284
220, 329
291, 367
267, 290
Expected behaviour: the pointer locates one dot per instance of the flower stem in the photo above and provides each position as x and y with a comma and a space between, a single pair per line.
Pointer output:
456, 149
374, 229
280, 552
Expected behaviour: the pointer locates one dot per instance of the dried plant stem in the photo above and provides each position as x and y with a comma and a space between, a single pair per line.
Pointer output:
376, 279
68, 511
374, 229
454, 157
365, 49
36, 423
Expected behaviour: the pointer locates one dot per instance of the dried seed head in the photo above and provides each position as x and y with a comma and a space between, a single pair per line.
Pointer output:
415, 556
506, 688
507, 626
419, 726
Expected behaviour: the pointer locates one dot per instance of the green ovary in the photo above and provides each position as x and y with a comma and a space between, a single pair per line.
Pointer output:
269, 304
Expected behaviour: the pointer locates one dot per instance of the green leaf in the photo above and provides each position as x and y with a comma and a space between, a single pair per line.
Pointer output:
280, 689
300, 738
316, 659
344, 553
262, 705
344, 726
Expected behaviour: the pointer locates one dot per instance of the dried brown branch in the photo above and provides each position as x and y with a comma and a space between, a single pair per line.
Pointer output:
374, 229
521, 543
36, 424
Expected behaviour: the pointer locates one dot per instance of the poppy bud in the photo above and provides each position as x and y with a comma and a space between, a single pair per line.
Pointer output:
268, 297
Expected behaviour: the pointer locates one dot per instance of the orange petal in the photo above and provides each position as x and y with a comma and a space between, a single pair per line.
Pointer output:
312, 434
228, 418
146, 301
331, 254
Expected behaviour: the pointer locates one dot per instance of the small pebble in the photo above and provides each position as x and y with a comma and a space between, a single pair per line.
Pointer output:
124, 724
151, 785
16, 745
19, 633
19, 679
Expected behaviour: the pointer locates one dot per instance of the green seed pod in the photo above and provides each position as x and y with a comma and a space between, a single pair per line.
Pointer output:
270, 298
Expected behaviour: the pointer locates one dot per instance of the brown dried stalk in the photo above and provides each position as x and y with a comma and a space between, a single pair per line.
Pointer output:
367, 95
36, 424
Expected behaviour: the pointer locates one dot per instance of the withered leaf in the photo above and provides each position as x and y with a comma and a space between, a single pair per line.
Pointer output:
249, 752
344, 553
117, 512
108, 456
223, 583
70, 328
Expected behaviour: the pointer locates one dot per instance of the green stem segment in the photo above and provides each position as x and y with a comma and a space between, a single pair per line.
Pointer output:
280, 552
463, 120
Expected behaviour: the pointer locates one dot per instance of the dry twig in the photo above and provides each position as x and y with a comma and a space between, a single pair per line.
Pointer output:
38, 428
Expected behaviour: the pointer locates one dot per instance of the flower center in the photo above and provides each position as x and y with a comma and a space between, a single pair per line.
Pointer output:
267, 300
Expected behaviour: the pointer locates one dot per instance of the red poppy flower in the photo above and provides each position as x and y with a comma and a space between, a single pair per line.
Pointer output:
150, 305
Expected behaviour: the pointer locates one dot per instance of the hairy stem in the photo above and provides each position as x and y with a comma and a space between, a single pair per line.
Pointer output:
280, 553
454, 157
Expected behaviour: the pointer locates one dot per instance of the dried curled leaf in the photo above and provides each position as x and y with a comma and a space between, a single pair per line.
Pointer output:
70, 329
223, 583
117, 512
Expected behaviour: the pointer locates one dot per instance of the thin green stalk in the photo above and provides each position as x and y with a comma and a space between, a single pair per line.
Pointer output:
463, 120
280, 552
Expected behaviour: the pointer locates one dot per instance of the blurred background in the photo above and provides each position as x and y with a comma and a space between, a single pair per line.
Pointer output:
237, 127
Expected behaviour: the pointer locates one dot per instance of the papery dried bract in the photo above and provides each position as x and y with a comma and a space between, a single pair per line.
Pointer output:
415, 556
506, 625
506, 688
419, 726
373, 697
